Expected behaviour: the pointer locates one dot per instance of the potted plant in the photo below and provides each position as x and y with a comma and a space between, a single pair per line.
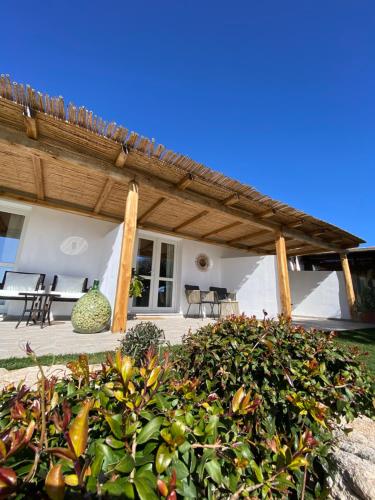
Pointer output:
366, 303
136, 285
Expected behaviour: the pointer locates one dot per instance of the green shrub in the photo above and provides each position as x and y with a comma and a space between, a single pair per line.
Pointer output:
293, 380
158, 431
139, 339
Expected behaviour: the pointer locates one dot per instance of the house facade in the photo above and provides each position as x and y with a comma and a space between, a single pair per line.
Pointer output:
82, 197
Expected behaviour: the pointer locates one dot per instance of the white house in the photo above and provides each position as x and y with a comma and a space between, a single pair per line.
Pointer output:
81, 197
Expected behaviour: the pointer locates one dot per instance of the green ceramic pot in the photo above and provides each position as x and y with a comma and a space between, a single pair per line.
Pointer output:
92, 312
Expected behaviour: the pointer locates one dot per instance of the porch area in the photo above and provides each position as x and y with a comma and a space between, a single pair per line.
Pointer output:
59, 338
83, 200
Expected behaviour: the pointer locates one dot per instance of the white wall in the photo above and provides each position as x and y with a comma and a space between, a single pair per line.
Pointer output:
46, 248
191, 275
319, 294
109, 263
254, 279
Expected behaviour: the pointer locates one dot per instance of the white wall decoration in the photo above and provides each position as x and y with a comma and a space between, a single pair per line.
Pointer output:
74, 245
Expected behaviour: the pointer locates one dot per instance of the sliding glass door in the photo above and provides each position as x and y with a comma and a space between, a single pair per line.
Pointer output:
10, 234
155, 263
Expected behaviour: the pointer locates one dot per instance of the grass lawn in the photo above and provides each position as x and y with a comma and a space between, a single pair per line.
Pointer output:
49, 359
364, 339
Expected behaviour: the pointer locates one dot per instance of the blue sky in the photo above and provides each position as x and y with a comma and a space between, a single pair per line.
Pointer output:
278, 94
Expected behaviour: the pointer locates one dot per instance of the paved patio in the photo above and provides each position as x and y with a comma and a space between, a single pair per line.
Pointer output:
60, 339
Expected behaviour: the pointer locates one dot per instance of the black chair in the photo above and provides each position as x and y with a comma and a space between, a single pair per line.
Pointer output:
221, 294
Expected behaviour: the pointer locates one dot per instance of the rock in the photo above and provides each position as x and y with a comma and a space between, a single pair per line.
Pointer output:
353, 461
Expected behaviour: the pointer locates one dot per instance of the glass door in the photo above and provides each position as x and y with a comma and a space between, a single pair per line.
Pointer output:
144, 265
10, 234
166, 275
155, 262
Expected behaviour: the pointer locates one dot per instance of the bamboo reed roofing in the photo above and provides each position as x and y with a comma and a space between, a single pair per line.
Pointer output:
51, 164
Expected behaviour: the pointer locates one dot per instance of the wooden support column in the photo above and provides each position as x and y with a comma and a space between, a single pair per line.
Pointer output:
348, 282
126, 259
283, 276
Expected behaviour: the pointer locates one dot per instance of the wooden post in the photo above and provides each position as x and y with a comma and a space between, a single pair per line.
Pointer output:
126, 259
283, 276
348, 282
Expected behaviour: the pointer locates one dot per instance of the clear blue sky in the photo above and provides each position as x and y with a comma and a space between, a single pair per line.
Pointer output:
278, 94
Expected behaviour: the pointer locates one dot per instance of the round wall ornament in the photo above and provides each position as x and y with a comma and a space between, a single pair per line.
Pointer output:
203, 262
74, 245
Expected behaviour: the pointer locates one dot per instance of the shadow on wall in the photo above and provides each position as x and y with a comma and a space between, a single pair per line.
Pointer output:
319, 294
254, 279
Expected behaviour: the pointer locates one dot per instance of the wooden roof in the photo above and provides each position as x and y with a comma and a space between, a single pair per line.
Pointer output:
68, 158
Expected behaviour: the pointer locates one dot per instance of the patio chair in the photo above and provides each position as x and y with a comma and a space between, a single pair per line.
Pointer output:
221, 294
16, 282
68, 288
195, 296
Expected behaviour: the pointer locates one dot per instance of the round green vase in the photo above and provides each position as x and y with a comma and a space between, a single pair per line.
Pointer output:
92, 312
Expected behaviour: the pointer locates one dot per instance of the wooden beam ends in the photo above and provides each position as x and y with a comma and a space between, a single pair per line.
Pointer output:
348, 282
185, 182
104, 195
38, 177
267, 214
151, 210
120, 312
231, 200
30, 123
122, 157
283, 276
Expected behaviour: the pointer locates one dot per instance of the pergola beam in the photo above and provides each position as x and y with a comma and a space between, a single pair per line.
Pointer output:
121, 157
151, 210
191, 220
185, 182
248, 236
231, 200
267, 214
222, 229
38, 177
104, 195
14, 139
30, 124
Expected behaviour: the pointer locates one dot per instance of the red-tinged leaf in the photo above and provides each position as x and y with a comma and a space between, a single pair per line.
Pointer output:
65, 453
29, 432
237, 398
153, 376
3, 450
8, 480
127, 369
18, 411
79, 429
55, 484
162, 488
173, 480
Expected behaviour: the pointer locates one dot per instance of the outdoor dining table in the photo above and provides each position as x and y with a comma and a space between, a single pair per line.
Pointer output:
39, 309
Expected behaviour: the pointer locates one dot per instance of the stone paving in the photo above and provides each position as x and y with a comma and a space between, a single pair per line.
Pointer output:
59, 338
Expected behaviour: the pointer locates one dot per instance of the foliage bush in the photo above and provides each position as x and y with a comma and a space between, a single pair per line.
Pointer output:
139, 339
246, 411
287, 380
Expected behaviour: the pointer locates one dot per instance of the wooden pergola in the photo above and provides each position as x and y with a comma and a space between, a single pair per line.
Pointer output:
66, 158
